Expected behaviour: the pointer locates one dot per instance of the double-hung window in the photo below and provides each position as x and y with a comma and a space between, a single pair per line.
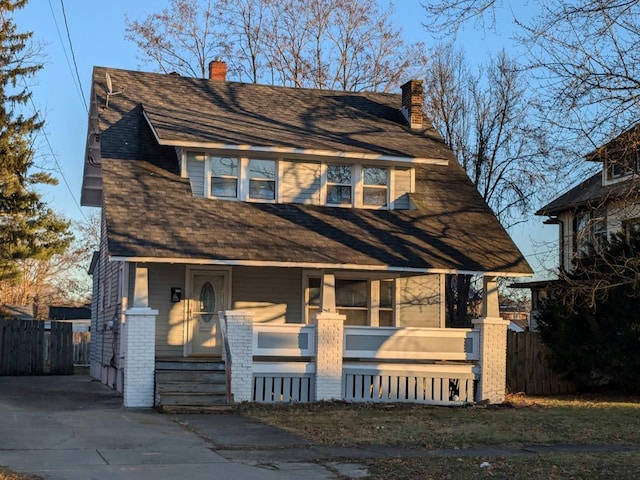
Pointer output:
354, 300
590, 230
262, 179
339, 184
375, 186
224, 177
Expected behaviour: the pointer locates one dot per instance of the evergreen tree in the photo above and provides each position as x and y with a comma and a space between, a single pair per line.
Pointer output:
591, 321
28, 228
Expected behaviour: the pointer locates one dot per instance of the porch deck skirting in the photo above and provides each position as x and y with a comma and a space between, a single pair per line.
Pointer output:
303, 363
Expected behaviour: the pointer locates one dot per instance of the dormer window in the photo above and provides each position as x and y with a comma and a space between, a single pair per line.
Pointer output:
224, 177
262, 179
622, 167
339, 184
375, 186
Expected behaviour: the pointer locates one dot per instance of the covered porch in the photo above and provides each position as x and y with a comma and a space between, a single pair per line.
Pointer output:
325, 353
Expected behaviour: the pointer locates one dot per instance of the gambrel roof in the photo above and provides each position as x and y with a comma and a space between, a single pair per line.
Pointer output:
151, 213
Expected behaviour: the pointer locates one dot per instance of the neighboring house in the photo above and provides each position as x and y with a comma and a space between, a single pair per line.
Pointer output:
17, 312
285, 204
590, 212
80, 317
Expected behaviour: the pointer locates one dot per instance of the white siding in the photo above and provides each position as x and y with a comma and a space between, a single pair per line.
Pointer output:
300, 182
273, 295
195, 171
419, 301
402, 187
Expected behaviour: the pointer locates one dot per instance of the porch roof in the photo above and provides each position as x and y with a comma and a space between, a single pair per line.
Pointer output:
151, 214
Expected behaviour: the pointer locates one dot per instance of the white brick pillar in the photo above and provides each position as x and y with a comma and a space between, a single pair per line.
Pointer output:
238, 343
329, 338
493, 346
140, 338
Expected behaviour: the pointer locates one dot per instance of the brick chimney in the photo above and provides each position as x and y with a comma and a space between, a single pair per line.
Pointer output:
217, 70
412, 103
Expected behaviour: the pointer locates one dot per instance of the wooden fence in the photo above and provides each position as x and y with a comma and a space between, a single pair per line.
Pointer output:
26, 348
81, 345
528, 369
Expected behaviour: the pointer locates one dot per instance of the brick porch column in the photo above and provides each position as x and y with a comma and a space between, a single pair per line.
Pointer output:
237, 333
493, 346
140, 339
329, 338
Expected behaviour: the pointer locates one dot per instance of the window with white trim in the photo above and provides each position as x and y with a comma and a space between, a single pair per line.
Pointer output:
590, 230
224, 177
262, 179
339, 184
375, 188
621, 167
353, 299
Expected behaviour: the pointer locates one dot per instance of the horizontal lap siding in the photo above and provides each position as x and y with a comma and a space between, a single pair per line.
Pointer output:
272, 295
300, 182
170, 320
419, 301
106, 306
401, 187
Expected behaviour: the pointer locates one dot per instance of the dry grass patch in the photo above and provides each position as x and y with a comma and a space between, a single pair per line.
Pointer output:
522, 421
619, 466
6, 474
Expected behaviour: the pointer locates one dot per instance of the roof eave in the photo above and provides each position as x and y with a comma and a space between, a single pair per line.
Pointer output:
310, 265
309, 152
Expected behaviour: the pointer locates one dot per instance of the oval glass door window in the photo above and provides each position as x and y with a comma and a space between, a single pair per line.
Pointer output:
207, 302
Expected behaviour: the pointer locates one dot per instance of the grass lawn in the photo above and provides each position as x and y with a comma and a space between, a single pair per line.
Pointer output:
520, 422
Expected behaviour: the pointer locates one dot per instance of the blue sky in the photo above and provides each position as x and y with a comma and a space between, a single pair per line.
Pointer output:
96, 29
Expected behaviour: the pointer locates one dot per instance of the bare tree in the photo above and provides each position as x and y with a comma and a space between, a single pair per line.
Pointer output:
58, 279
327, 44
448, 16
485, 118
182, 38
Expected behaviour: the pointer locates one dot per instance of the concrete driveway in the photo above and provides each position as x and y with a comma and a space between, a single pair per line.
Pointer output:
71, 427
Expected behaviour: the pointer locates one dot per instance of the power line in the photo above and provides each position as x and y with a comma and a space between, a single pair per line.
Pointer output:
64, 50
76, 78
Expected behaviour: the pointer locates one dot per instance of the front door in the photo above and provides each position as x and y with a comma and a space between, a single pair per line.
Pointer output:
208, 293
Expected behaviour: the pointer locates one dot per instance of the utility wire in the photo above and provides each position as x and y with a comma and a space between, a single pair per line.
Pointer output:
64, 50
73, 55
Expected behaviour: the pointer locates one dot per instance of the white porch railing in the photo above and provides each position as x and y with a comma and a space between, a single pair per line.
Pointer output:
396, 382
411, 343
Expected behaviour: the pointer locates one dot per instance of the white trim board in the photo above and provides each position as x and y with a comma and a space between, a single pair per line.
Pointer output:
309, 265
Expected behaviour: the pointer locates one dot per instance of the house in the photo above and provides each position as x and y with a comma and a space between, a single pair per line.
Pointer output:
224, 201
587, 214
80, 317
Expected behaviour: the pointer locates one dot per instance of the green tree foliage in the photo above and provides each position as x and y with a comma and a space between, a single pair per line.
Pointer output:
28, 229
591, 321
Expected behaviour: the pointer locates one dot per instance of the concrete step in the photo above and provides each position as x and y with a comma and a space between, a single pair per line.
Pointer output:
213, 365
195, 409
191, 400
175, 376
192, 387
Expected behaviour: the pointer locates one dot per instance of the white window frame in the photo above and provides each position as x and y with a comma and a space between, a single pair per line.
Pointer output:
277, 181
373, 296
326, 184
386, 187
210, 177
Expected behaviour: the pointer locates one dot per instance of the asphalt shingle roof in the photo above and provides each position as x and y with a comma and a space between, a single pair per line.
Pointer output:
151, 212
590, 193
